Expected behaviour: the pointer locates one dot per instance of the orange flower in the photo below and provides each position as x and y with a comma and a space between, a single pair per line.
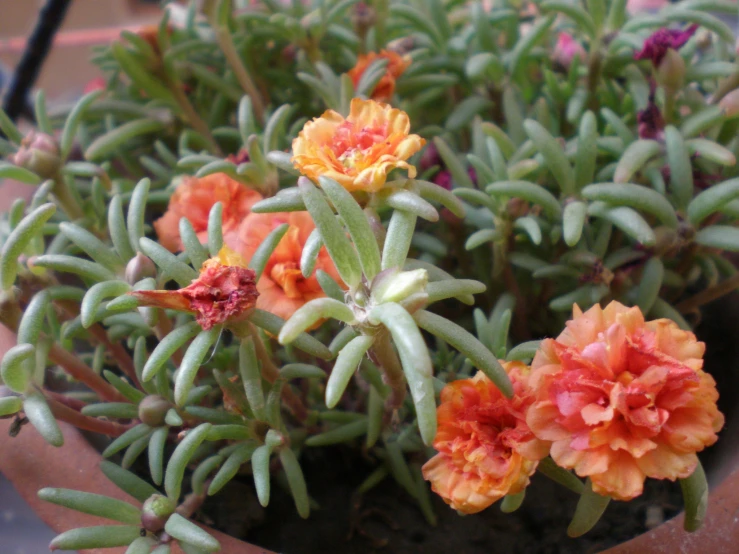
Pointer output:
357, 152
282, 287
622, 399
194, 198
486, 450
396, 66
224, 292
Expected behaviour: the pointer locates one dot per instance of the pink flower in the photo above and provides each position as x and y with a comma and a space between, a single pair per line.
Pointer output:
623, 399
657, 44
567, 49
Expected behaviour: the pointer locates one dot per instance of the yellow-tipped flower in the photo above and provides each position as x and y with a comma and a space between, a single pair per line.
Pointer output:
357, 152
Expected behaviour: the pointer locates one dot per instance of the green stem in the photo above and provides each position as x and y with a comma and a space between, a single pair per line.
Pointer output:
225, 41
381, 13
595, 66
66, 199
192, 116
669, 112
384, 356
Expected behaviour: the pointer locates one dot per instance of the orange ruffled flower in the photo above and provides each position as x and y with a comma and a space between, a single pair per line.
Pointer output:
385, 87
282, 287
622, 399
194, 198
223, 292
357, 152
486, 450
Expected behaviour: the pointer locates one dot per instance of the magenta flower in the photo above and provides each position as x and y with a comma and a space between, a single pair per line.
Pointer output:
657, 44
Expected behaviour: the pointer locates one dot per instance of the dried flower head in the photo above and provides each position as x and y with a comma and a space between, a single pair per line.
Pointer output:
224, 292
282, 287
658, 43
396, 66
486, 450
622, 399
194, 198
359, 151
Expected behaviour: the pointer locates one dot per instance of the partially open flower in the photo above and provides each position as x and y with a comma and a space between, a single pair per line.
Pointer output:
224, 292
622, 399
357, 152
282, 287
194, 198
658, 43
396, 66
486, 450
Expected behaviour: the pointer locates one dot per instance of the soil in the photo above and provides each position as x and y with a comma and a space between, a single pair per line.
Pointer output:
387, 520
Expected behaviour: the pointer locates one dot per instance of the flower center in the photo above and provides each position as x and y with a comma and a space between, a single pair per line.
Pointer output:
350, 143
289, 277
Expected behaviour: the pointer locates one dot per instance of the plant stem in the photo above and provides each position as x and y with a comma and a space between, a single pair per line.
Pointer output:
120, 354
73, 403
709, 295
81, 421
66, 200
192, 502
384, 356
271, 374
381, 12
520, 327
162, 328
595, 65
225, 41
192, 116
80, 371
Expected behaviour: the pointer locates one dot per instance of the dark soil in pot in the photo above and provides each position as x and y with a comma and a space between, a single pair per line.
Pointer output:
387, 521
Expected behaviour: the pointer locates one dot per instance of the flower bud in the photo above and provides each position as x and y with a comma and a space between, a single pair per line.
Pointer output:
402, 45
363, 17
730, 103
39, 153
153, 409
140, 267
671, 70
401, 285
156, 512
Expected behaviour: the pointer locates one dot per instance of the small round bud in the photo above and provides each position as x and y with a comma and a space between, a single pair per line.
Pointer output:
39, 153
153, 409
140, 267
399, 285
671, 70
156, 512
